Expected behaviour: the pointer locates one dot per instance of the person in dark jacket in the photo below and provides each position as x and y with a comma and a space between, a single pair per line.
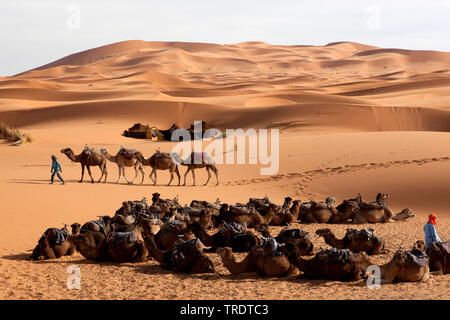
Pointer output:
55, 170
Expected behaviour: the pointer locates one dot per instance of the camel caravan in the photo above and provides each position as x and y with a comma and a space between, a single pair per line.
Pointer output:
179, 237
133, 158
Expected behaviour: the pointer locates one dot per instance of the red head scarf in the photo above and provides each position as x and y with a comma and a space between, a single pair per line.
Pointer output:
432, 219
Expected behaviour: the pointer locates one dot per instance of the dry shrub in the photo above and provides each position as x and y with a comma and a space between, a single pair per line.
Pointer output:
14, 135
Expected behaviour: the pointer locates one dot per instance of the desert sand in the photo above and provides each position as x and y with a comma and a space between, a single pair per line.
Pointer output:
352, 118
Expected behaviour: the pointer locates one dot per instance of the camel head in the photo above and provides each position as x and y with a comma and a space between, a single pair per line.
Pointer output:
405, 214
287, 200
363, 259
225, 253
66, 150
382, 197
155, 197
329, 201
419, 245
75, 228
323, 232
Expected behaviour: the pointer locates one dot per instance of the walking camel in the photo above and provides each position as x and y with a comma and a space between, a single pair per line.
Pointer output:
161, 161
87, 158
198, 160
125, 159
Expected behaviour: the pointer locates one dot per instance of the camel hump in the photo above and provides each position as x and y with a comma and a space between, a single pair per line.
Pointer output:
233, 228
128, 153
363, 234
55, 236
445, 246
271, 247
293, 233
184, 250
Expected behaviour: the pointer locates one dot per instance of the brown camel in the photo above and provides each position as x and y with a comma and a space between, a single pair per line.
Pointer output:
198, 160
363, 240
439, 257
53, 244
123, 159
253, 219
286, 215
91, 245
372, 214
408, 266
87, 158
161, 161
347, 210
126, 247
183, 256
263, 259
321, 212
238, 240
170, 232
334, 264
289, 234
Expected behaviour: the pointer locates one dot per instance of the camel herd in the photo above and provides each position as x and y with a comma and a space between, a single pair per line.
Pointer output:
178, 238
132, 158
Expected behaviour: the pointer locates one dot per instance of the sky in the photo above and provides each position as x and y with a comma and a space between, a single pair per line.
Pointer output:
36, 32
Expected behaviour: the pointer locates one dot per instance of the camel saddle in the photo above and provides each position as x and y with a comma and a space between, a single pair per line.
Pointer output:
100, 223
444, 246
372, 205
257, 201
417, 257
185, 249
128, 153
240, 210
58, 237
117, 239
361, 235
288, 233
270, 247
334, 255
199, 157
231, 229
173, 225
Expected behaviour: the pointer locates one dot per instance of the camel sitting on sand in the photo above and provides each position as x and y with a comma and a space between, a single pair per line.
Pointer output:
356, 240
378, 211
87, 158
126, 158
161, 161
53, 244
198, 160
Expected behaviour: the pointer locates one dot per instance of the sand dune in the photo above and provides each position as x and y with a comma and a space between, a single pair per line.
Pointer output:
353, 118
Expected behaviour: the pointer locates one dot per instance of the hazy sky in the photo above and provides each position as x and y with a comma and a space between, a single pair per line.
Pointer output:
33, 33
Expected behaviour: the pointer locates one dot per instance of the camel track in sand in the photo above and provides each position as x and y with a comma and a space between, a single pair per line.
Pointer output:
306, 177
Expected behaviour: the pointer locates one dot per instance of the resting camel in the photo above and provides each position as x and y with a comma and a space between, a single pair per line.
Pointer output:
53, 244
363, 240
183, 256
126, 247
374, 214
321, 212
263, 259
286, 215
288, 234
122, 159
88, 158
439, 257
198, 160
334, 264
91, 245
408, 266
169, 233
252, 219
239, 241
161, 161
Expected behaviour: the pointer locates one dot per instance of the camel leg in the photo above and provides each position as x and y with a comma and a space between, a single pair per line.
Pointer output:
90, 173
82, 173
120, 174
141, 169
171, 177
136, 171
178, 174
193, 176
151, 176
155, 176
123, 172
103, 172
216, 172
209, 175
187, 171
106, 173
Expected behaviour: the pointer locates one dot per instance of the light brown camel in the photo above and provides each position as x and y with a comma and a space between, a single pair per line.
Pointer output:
321, 212
372, 214
198, 160
356, 240
91, 245
122, 161
402, 268
253, 219
161, 161
261, 259
88, 158
335, 264
183, 256
50, 246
